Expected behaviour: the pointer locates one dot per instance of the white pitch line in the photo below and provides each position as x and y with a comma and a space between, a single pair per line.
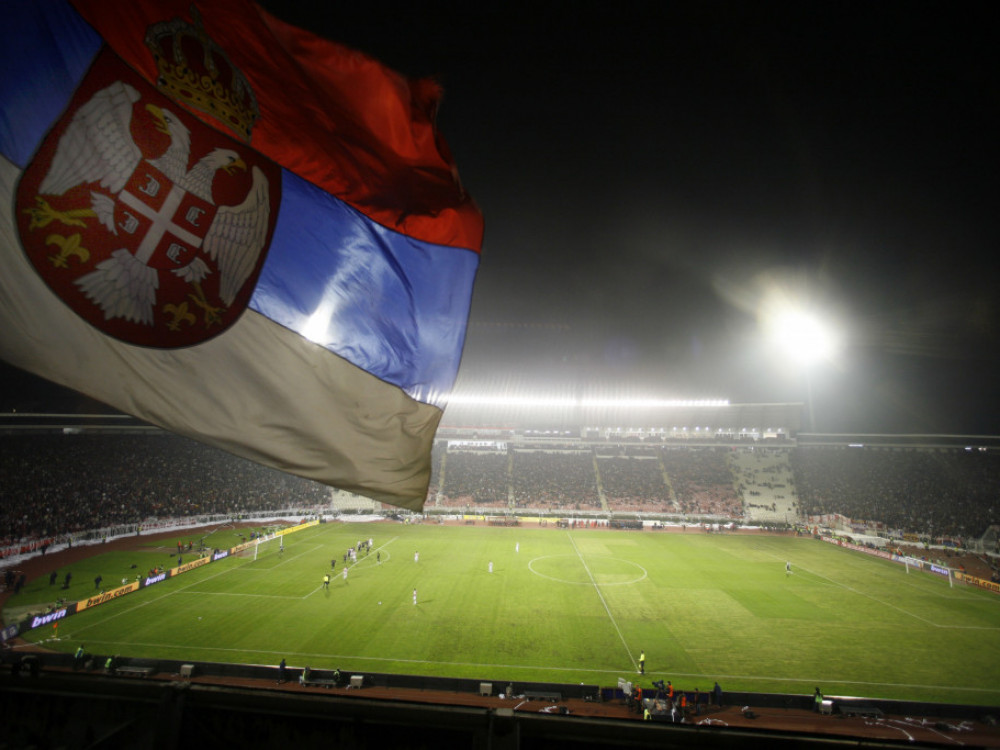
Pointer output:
597, 588
359, 562
925, 588
367, 558
151, 601
900, 609
181, 590
531, 567
260, 569
488, 665
887, 604
233, 593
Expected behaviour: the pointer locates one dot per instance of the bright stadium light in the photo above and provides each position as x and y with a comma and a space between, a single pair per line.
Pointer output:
651, 403
482, 399
802, 336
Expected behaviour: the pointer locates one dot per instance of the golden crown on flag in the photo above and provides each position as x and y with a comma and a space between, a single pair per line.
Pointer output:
193, 69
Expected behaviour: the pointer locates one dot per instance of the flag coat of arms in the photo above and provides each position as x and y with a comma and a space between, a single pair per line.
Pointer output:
235, 230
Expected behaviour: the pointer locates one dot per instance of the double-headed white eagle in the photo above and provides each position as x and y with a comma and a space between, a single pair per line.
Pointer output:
98, 147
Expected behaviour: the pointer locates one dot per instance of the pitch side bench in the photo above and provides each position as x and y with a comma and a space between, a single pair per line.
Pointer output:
135, 671
319, 679
868, 712
537, 695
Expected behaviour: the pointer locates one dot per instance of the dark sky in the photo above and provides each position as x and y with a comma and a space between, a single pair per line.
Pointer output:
649, 171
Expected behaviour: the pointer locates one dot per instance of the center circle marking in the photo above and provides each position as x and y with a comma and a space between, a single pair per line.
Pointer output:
531, 567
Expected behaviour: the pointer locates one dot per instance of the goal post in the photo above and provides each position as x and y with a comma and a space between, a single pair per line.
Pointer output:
930, 567
263, 545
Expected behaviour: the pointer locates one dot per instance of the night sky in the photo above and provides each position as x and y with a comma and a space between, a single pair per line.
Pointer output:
650, 172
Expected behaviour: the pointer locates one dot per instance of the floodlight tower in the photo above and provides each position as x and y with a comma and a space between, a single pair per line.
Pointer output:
806, 340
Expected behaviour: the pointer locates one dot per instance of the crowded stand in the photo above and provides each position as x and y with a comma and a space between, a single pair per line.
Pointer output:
53, 484
634, 484
702, 481
939, 492
474, 478
554, 479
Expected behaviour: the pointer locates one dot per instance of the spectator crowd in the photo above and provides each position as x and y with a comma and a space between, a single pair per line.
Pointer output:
52, 484
937, 492
55, 484
944, 492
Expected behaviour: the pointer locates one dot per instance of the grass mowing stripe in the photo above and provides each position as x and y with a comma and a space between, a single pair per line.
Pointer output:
597, 588
711, 607
862, 593
899, 609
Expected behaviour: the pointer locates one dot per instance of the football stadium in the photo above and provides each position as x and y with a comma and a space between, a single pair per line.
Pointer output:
578, 570
269, 478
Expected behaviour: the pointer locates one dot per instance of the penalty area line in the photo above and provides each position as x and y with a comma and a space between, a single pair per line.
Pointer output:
153, 601
363, 562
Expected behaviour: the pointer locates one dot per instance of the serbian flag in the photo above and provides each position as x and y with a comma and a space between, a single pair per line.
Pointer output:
236, 230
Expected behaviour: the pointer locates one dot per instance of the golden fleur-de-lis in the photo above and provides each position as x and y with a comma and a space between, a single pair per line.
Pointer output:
43, 214
180, 315
68, 247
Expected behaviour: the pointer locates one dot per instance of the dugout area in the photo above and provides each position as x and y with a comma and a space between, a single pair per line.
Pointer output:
176, 705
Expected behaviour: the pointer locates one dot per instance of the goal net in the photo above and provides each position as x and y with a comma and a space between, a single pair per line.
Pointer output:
267, 544
930, 567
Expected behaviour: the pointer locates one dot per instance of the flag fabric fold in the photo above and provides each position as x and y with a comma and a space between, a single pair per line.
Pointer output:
236, 230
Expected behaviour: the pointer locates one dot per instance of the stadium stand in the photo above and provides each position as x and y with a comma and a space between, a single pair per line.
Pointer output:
555, 478
766, 484
475, 478
345, 502
703, 482
54, 484
636, 484
940, 492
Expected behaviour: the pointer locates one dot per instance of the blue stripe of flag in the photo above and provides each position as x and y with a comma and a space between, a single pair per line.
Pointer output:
390, 304
45, 50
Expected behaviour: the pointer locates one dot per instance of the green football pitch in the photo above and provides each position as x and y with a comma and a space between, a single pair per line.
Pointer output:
560, 605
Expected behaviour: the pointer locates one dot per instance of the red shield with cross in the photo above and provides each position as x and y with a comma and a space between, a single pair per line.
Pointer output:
151, 225
169, 222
